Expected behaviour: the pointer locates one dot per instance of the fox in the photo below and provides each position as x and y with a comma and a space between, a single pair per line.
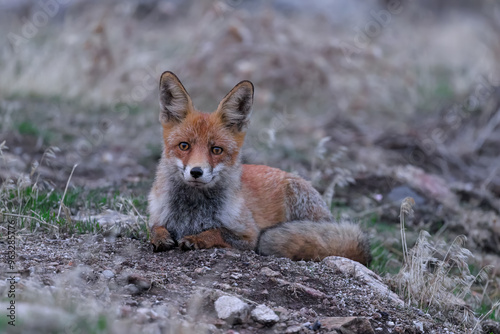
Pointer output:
203, 196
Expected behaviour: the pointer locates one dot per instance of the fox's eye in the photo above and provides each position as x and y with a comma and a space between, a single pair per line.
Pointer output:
217, 150
184, 146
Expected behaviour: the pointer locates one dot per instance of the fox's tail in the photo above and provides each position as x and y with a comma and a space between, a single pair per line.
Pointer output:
306, 240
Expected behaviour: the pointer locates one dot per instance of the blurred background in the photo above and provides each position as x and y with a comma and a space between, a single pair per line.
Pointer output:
370, 100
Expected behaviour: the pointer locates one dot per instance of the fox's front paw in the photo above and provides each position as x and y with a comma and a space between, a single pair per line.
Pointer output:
160, 239
207, 239
192, 242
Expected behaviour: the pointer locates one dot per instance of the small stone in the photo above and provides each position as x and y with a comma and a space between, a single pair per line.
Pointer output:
293, 329
235, 275
264, 315
132, 303
419, 326
108, 274
390, 324
231, 309
132, 289
232, 254
201, 270
269, 272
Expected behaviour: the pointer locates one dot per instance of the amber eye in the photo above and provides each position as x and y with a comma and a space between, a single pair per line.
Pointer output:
184, 146
217, 150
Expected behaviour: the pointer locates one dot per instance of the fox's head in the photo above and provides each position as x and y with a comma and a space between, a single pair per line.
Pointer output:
203, 146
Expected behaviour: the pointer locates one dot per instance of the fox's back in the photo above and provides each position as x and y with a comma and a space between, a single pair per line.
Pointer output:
267, 191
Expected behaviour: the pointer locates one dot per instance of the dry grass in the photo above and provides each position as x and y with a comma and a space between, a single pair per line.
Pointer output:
436, 277
38, 209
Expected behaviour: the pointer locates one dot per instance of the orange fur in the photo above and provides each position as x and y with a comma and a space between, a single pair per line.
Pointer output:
207, 239
264, 192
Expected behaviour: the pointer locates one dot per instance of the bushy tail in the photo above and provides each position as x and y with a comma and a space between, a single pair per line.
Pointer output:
306, 240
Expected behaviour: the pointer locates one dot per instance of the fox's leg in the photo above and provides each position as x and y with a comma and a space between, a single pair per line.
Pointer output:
161, 239
159, 236
222, 238
207, 239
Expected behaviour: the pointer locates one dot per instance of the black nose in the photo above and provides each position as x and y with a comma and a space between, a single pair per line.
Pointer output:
196, 172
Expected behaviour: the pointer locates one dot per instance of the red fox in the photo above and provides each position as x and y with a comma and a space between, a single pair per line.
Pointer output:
204, 197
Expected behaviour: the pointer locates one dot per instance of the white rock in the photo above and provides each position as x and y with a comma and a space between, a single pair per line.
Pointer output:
419, 326
108, 274
364, 274
293, 329
264, 315
231, 309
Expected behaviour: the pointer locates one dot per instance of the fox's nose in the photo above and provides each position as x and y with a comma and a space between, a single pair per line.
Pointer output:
196, 172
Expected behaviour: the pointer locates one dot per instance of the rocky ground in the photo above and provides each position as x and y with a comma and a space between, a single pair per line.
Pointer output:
64, 282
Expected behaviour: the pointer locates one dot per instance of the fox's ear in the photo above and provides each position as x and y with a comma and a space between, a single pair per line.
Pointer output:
175, 102
236, 107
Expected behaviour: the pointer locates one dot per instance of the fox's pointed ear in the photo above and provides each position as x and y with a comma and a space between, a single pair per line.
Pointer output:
175, 102
236, 107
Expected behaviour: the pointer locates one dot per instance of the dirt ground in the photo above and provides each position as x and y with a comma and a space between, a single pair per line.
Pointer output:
175, 291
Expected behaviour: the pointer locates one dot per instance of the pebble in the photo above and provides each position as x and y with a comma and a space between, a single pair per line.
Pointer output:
293, 329
231, 309
264, 315
201, 270
269, 272
108, 274
132, 289
419, 326
232, 254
